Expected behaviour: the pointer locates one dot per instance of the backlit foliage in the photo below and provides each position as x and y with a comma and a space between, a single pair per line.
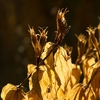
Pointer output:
54, 76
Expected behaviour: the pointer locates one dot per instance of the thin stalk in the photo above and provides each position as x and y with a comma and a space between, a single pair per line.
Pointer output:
25, 80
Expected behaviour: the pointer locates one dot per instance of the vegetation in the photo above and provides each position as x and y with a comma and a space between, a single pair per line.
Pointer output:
54, 76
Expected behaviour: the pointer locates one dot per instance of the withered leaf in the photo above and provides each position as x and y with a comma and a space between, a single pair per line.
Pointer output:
11, 92
48, 83
44, 79
61, 94
95, 82
75, 75
79, 92
33, 80
31, 69
87, 66
63, 66
49, 60
31, 95
75, 92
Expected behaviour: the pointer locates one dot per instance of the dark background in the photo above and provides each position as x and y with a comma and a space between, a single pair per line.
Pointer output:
15, 46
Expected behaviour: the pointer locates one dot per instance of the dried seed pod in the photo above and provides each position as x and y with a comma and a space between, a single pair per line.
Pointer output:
68, 50
43, 37
61, 22
91, 33
93, 39
38, 40
81, 46
61, 26
33, 36
35, 42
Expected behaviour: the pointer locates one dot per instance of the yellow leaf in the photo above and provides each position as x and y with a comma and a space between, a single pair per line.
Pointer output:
33, 80
31, 69
49, 59
63, 66
11, 92
48, 83
81, 92
76, 73
95, 82
60, 94
32, 95
75, 92
44, 79
89, 94
87, 66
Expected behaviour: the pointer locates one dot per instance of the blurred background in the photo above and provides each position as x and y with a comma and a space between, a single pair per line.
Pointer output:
16, 50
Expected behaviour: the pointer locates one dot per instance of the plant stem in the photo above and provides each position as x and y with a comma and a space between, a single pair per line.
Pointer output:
25, 80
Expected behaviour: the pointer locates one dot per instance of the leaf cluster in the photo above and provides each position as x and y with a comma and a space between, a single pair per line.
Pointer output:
54, 76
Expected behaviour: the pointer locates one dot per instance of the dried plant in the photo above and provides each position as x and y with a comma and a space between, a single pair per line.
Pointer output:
54, 76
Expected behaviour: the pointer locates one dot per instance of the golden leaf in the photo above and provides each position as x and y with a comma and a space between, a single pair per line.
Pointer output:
95, 82
11, 92
61, 94
48, 83
87, 66
75, 92
31, 69
44, 79
79, 92
63, 66
76, 73
49, 59
32, 95
33, 80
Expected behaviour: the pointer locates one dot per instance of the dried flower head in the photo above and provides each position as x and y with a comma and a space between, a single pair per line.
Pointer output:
62, 27
93, 39
81, 46
68, 49
38, 40
43, 37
